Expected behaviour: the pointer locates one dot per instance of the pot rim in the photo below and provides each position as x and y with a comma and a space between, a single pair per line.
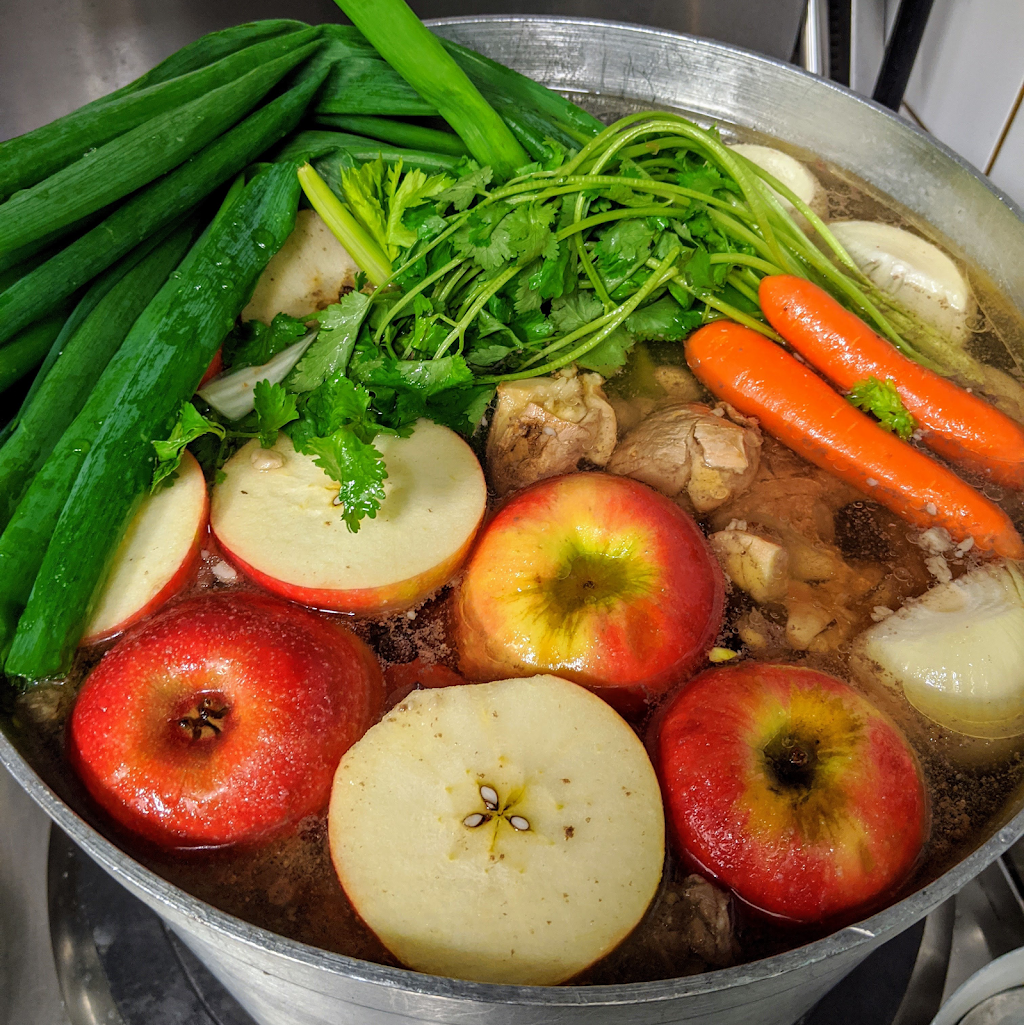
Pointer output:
892, 919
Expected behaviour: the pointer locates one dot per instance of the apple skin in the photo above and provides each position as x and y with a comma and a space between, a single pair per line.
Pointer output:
298, 691
594, 577
804, 854
362, 601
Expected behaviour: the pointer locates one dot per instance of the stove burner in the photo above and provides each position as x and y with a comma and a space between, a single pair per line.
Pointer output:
117, 963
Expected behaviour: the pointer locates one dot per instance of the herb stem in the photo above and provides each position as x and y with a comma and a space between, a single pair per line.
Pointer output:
372, 260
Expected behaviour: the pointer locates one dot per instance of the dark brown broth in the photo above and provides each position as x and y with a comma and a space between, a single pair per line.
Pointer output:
289, 886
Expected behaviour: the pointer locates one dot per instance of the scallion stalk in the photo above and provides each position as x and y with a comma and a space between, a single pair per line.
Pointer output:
418, 56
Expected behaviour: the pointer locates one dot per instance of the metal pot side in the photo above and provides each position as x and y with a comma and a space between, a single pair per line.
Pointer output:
282, 982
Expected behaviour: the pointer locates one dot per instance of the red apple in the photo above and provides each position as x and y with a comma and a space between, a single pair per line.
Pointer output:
275, 517
158, 554
789, 787
597, 578
222, 719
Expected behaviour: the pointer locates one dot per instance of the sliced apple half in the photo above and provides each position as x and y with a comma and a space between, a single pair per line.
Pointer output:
275, 518
308, 273
508, 832
157, 555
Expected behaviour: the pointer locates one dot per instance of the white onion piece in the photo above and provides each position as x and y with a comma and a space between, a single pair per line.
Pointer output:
958, 652
231, 394
790, 172
921, 276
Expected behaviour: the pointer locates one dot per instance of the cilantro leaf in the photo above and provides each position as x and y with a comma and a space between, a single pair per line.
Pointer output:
428, 376
608, 355
274, 408
698, 271
662, 321
479, 240
414, 189
357, 467
330, 353
339, 402
488, 355
624, 244
881, 399
569, 312
254, 343
549, 280
460, 408
526, 231
472, 184
191, 424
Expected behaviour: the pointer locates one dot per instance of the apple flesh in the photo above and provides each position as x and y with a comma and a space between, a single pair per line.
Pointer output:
597, 578
157, 556
222, 719
507, 832
274, 516
789, 787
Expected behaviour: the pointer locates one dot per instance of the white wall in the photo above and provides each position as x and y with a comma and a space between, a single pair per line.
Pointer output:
968, 83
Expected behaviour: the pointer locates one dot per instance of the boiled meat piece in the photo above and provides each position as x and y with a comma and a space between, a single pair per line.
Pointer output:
693, 452
546, 426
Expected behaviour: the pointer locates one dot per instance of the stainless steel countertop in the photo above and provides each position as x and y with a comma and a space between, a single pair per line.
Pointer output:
58, 54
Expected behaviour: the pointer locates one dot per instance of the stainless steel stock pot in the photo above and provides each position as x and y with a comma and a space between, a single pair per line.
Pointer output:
282, 982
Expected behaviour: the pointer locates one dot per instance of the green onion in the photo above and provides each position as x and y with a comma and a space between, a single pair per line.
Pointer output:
418, 56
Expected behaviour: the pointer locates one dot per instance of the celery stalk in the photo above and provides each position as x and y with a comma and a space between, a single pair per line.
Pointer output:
346, 229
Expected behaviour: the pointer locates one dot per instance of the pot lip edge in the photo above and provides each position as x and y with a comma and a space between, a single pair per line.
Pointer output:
750, 56
185, 909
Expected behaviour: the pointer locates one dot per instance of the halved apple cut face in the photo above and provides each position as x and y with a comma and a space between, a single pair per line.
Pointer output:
275, 516
506, 832
157, 555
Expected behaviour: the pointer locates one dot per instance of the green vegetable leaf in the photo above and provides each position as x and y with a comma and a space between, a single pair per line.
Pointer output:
570, 312
339, 402
274, 408
363, 189
488, 355
427, 376
472, 184
610, 354
624, 244
357, 467
881, 399
254, 343
461, 408
191, 424
412, 190
528, 233
480, 240
330, 353
663, 321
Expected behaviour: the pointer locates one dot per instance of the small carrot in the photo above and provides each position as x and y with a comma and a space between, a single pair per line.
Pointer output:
798, 408
956, 424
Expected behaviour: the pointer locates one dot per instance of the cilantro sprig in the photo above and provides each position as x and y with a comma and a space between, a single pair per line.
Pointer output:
882, 400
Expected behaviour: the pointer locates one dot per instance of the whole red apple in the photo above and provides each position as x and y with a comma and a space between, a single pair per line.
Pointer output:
597, 578
790, 788
222, 719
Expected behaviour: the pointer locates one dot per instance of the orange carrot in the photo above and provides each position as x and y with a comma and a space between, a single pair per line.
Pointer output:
957, 425
798, 408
